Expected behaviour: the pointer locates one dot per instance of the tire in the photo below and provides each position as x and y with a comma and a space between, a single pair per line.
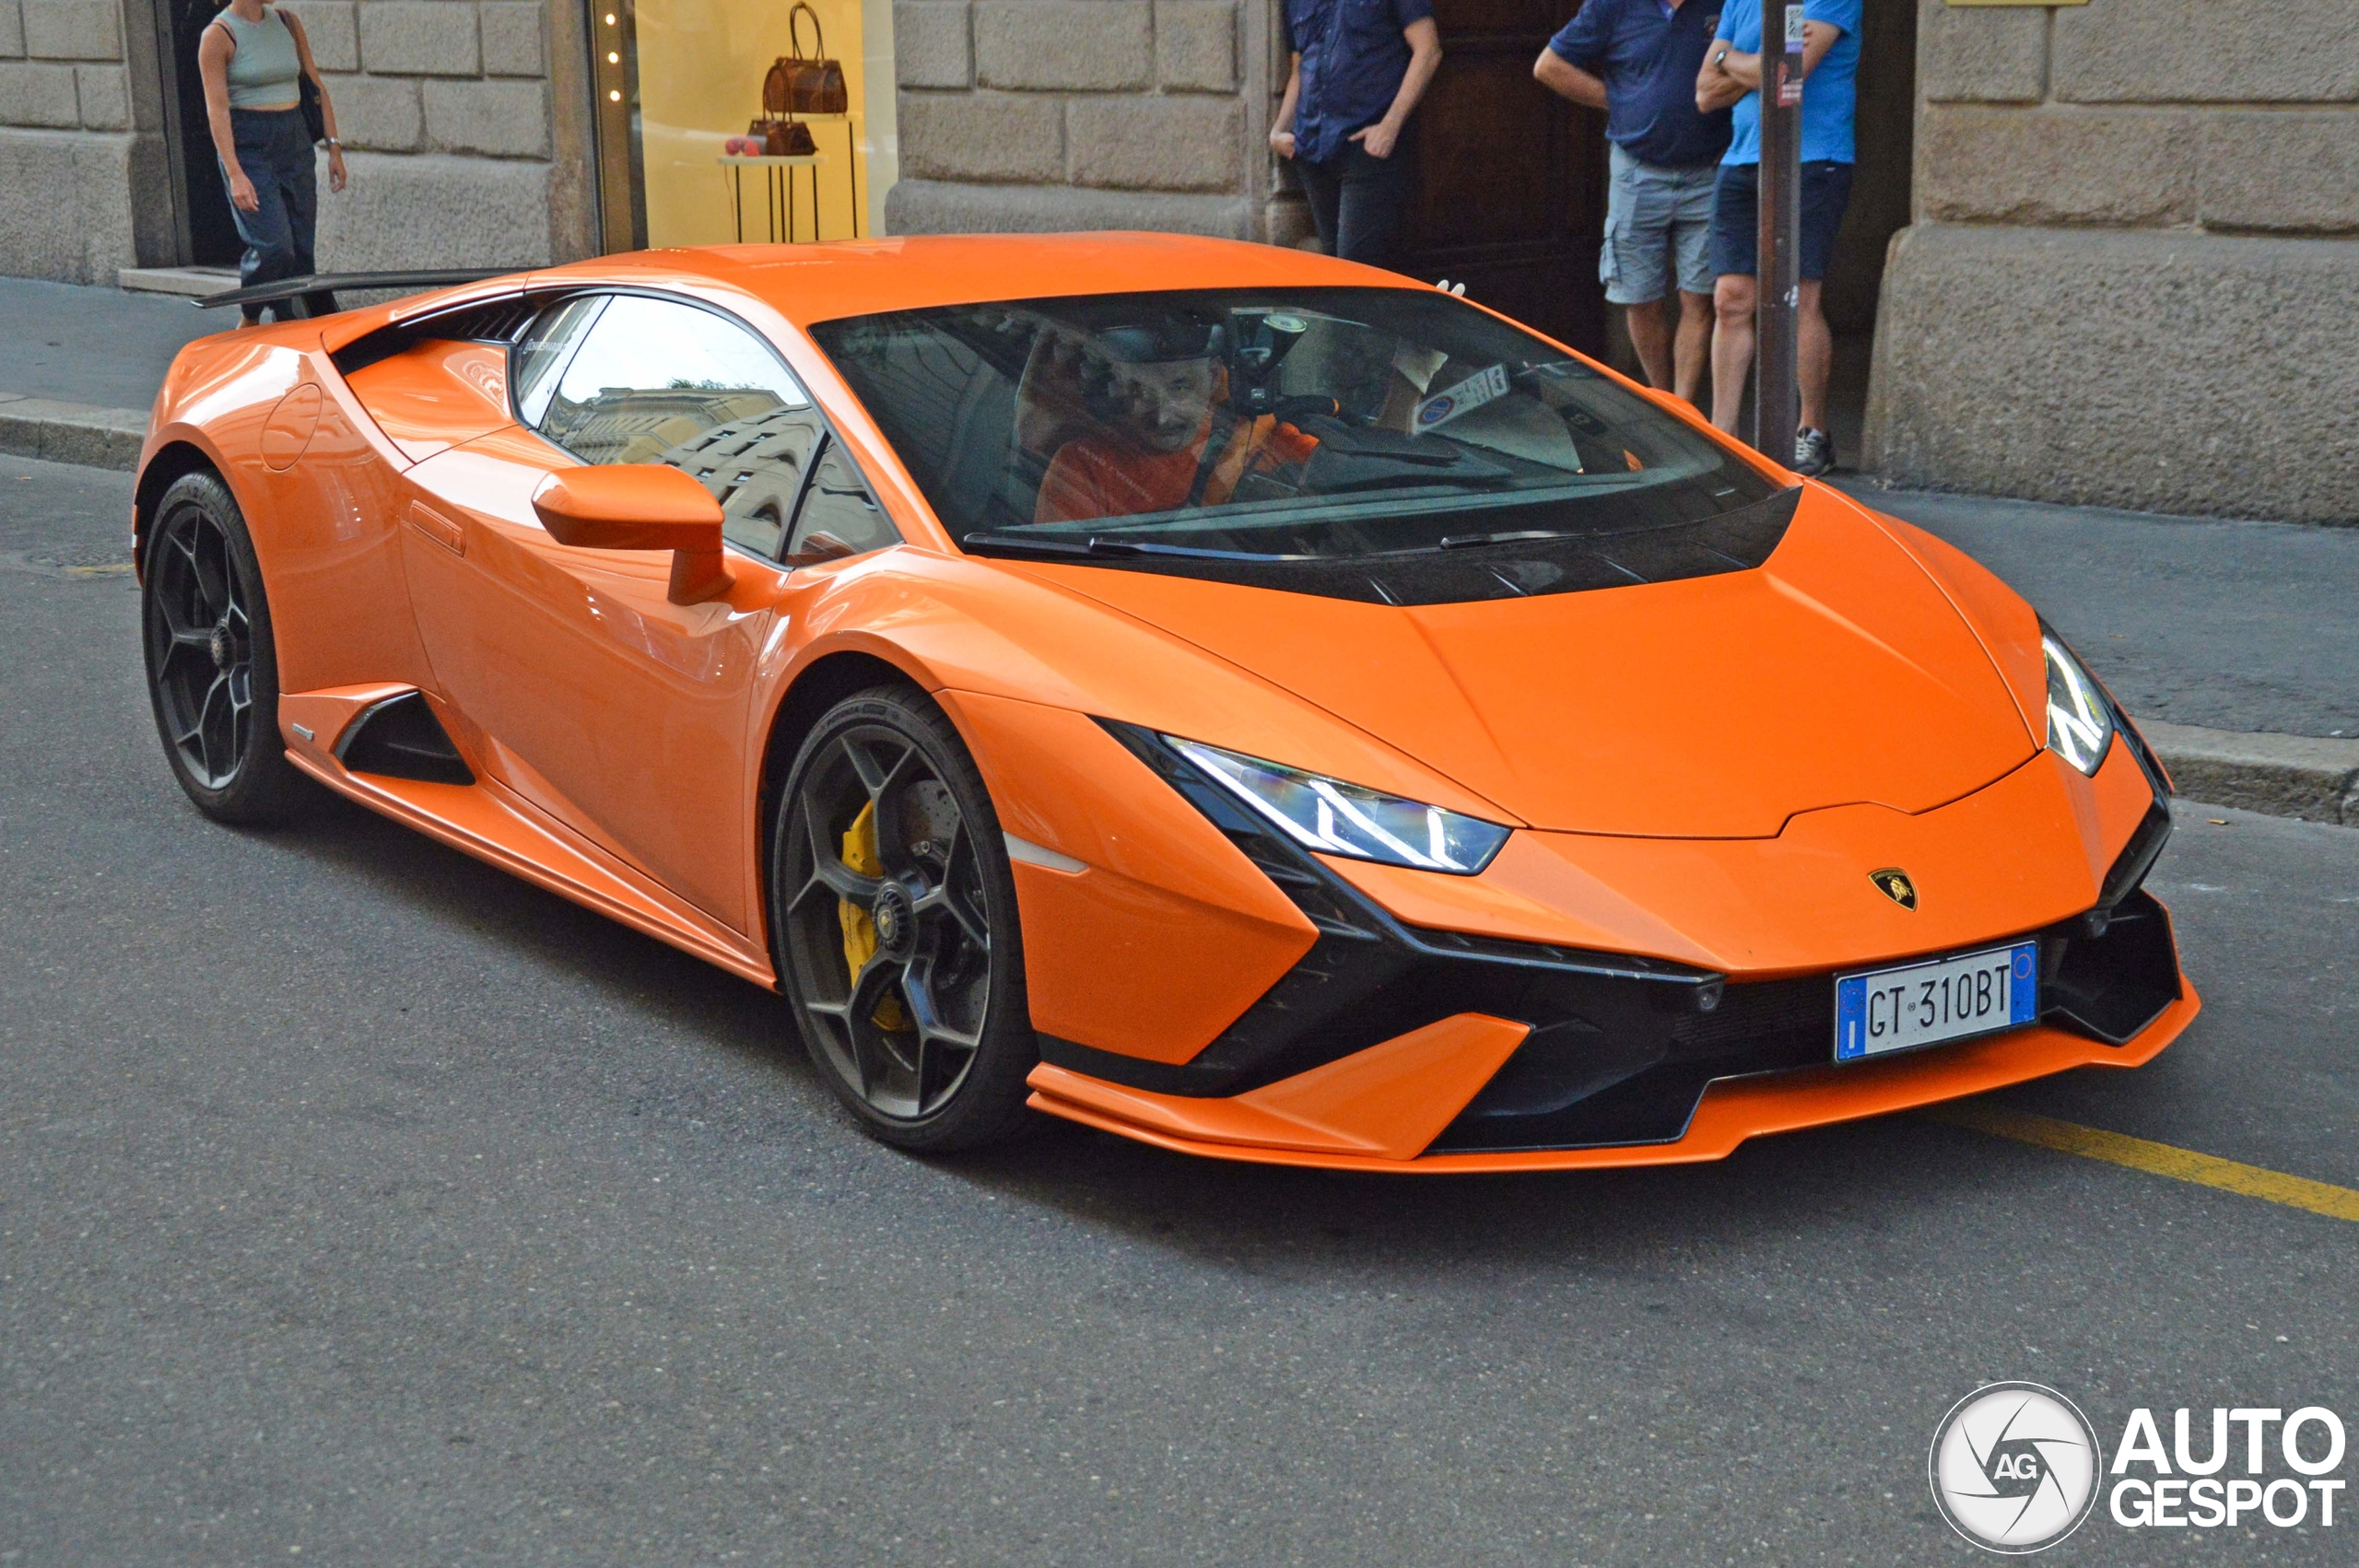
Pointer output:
212, 659
900, 951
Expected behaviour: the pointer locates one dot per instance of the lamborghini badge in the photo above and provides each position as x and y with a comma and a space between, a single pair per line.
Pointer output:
1894, 884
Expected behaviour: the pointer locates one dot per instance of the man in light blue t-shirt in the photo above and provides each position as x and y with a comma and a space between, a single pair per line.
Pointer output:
1732, 75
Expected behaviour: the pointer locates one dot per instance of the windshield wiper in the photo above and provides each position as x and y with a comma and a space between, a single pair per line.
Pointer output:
1521, 536
1103, 548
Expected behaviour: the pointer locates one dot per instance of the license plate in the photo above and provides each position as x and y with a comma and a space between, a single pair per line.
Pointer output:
1936, 1000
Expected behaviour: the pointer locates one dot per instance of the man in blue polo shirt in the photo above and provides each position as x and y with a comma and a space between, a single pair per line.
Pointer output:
1732, 75
1638, 60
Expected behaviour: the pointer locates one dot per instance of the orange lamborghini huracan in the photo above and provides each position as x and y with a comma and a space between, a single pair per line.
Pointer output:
1233, 698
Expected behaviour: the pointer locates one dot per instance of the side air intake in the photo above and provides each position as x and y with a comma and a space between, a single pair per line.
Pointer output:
400, 738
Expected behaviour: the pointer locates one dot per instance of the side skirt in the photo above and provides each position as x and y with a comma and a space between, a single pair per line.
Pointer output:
486, 822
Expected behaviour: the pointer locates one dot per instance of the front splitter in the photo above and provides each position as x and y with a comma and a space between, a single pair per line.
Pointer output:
1732, 1110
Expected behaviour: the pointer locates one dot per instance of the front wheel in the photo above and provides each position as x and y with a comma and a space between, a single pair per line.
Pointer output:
212, 662
893, 924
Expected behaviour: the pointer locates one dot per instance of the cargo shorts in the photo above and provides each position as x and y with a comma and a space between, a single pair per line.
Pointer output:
1654, 217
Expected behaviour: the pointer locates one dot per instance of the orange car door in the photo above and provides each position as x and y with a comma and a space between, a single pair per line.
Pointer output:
588, 691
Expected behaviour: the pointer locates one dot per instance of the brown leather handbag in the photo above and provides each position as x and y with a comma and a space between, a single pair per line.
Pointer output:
805, 84
783, 138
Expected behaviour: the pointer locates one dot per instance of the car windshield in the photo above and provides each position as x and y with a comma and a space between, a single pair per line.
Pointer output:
1312, 425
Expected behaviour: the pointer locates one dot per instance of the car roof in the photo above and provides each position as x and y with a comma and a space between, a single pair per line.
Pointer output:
821, 281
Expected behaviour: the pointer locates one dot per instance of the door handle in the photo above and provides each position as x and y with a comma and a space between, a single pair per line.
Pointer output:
437, 527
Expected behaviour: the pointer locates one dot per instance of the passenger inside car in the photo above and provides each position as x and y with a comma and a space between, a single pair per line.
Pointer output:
1167, 436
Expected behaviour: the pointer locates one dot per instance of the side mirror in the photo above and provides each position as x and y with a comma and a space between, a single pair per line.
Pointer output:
640, 506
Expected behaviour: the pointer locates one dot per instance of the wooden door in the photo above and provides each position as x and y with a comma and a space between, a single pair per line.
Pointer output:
1511, 195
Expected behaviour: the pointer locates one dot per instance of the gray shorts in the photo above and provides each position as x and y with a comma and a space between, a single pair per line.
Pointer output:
1655, 218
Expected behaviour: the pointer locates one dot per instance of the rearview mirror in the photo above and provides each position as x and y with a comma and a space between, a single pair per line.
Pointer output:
640, 506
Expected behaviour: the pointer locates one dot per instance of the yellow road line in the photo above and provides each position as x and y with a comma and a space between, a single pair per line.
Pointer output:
2157, 1159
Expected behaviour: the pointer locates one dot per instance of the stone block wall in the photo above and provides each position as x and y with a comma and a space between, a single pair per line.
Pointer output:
455, 115
81, 156
444, 106
1062, 115
2135, 246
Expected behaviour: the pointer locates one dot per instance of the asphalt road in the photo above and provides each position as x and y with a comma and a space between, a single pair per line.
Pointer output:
361, 1205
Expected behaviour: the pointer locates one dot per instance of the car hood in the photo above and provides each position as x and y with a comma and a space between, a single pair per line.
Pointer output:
1714, 707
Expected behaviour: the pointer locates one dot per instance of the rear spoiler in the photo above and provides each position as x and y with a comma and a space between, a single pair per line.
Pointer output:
316, 283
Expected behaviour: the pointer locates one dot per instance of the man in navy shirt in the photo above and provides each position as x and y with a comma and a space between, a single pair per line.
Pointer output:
1638, 60
1358, 68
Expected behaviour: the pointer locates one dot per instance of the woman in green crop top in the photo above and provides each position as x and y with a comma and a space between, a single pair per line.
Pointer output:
253, 59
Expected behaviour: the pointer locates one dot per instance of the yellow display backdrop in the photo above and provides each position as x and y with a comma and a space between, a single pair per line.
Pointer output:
700, 68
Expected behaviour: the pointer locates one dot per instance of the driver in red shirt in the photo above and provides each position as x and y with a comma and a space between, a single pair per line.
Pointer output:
1174, 441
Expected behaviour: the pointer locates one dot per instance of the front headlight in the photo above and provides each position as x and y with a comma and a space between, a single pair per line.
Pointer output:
2079, 721
1335, 818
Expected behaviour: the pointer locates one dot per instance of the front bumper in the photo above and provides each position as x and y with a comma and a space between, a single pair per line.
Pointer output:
1730, 1111
1397, 1046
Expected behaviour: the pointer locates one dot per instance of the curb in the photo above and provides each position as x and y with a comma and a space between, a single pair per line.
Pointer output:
72, 432
2309, 779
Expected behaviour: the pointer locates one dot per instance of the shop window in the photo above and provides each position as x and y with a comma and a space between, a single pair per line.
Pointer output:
674, 80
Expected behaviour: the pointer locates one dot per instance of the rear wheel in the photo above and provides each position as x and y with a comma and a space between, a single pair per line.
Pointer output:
212, 665
893, 918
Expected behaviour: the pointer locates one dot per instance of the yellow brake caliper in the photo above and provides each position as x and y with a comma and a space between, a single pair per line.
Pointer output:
860, 931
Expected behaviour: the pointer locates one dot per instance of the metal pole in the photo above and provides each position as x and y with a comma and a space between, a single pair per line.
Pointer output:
1775, 394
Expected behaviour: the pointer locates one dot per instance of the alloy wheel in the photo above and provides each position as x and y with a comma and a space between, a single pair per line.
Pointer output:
887, 925
201, 648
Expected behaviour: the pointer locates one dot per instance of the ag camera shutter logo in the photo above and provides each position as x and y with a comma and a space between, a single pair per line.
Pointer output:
2014, 1468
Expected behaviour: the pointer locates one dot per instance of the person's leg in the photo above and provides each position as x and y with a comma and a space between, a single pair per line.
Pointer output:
263, 230
1650, 326
1813, 355
1691, 250
1733, 300
1825, 194
1634, 260
270, 247
1322, 188
298, 177
1375, 192
1736, 200
1693, 350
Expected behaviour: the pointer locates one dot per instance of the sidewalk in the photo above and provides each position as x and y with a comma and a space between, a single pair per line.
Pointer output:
79, 367
100, 347
2234, 644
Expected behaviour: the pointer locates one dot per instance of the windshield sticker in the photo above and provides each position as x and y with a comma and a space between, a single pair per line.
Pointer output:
1484, 386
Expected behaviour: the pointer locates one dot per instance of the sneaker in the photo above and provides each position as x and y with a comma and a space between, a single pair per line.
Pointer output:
1813, 452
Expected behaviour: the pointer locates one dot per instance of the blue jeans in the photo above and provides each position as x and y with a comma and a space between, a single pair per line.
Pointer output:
275, 151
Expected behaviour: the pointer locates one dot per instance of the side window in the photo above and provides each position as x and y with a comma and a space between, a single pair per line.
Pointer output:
654, 380
838, 505
542, 354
